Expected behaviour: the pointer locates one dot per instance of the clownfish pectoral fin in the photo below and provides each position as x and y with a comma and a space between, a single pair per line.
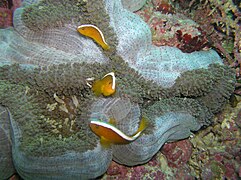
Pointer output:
105, 143
95, 33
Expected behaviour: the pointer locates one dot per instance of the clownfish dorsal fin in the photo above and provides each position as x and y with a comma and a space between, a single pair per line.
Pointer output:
95, 33
112, 121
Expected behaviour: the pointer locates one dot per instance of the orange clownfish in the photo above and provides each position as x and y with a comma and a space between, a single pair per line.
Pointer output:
95, 33
109, 134
105, 86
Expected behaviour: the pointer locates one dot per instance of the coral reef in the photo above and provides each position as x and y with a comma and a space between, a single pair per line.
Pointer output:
150, 171
216, 152
5, 17
189, 43
6, 12
44, 65
172, 29
163, 6
213, 153
177, 153
222, 27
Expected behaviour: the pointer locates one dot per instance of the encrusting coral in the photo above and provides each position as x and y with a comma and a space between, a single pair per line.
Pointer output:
44, 65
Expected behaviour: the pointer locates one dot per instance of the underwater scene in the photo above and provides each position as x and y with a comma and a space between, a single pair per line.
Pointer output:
120, 89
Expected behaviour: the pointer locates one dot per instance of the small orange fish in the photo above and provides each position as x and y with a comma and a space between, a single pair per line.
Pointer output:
105, 86
95, 33
109, 134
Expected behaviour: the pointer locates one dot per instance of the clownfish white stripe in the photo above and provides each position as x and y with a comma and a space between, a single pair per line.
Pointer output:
112, 74
117, 131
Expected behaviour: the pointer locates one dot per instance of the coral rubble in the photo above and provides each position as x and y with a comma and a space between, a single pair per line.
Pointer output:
44, 66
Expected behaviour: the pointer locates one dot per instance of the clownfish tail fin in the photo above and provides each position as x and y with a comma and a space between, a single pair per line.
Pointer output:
143, 125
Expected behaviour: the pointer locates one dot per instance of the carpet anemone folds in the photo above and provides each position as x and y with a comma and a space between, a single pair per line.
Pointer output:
46, 104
